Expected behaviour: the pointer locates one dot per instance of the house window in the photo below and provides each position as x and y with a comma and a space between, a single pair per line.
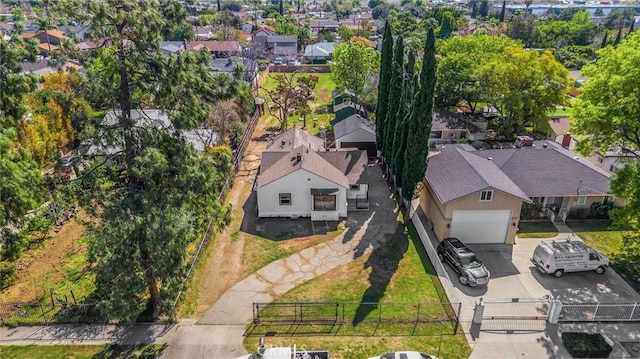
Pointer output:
324, 202
582, 200
486, 196
355, 186
285, 199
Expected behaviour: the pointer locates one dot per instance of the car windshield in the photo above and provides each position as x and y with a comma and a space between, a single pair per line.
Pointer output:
470, 262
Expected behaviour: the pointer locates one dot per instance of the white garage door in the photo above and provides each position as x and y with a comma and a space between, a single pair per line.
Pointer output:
480, 226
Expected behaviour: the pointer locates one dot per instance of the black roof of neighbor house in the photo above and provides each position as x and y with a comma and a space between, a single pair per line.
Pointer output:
282, 38
543, 170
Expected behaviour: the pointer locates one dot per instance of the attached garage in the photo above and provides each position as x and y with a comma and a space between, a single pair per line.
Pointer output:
490, 226
356, 132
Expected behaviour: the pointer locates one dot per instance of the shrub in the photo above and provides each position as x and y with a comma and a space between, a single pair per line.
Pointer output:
584, 345
7, 274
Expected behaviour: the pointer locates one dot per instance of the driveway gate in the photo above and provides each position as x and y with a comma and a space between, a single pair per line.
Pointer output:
516, 314
599, 312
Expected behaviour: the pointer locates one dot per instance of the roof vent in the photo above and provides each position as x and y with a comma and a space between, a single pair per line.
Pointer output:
490, 158
576, 158
545, 145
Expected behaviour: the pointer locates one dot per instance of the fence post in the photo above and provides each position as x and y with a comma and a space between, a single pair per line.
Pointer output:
44, 316
595, 313
478, 312
635, 305
555, 308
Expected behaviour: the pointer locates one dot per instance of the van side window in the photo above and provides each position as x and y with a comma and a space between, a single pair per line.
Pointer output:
593, 257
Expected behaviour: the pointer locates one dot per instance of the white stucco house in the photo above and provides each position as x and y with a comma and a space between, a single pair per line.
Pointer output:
356, 131
298, 177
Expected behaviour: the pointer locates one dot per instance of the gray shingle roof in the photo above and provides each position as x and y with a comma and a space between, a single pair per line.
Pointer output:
552, 171
293, 138
455, 173
283, 38
351, 163
353, 123
310, 161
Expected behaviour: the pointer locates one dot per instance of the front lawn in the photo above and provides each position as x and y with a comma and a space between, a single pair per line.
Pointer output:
142, 351
610, 243
399, 276
537, 229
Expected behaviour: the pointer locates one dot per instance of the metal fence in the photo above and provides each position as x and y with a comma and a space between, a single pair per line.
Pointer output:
21, 313
357, 319
600, 312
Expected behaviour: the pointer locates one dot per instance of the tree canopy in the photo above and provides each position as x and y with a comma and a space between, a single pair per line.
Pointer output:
353, 66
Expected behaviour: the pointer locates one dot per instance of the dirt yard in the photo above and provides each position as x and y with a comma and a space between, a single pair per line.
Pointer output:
43, 266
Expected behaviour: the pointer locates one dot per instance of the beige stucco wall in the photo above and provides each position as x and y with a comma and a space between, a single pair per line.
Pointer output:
440, 214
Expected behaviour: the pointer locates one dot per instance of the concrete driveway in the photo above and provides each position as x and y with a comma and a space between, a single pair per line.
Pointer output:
514, 276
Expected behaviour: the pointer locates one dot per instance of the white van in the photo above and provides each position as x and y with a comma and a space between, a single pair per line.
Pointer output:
568, 256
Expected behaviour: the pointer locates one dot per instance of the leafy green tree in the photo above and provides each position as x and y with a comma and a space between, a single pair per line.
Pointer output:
401, 132
523, 97
345, 33
483, 9
14, 85
415, 159
522, 27
386, 63
353, 66
446, 25
395, 93
461, 56
169, 190
606, 115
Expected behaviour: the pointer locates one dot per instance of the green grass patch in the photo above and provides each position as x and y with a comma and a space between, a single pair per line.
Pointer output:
399, 276
143, 351
559, 111
610, 242
538, 229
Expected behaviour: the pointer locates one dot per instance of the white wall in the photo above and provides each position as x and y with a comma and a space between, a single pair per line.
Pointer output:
363, 188
358, 135
299, 184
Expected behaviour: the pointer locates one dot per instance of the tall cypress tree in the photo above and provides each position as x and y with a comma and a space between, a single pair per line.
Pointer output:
504, 10
605, 39
397, 73
618, 37
633, 22
386, 60
420, 121
402, 129
281, 8
474, 10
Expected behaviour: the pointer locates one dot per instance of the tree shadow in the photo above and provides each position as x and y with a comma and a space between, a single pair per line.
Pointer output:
280, 229
138, 351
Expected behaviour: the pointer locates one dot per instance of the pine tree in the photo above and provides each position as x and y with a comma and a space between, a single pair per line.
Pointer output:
150, 217
397, 74
618, 37
386, 60
633, 23
402, 128
420, 121
504, 10
605, 39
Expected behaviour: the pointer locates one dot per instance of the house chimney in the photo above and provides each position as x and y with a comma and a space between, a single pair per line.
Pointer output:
545, 145
490, 158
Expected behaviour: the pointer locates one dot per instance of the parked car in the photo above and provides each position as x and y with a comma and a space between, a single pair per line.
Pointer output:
568, 256
470, 269
278, 61
405, 355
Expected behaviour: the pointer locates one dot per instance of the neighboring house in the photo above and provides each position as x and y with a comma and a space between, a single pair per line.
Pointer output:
264, 32
560, 132
217, 48
356, 132
478, 196
283, 45
611, 161
320, 52
204, 32
199, 138
448, 127
171, 47
72, 31
49, 41
319, 25
298, 177
43, 67
226, 66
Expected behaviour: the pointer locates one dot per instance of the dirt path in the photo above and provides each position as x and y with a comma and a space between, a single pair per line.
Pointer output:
44, 266
224, 268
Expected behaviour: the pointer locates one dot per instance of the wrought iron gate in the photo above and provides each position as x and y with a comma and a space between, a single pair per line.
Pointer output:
516, 314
